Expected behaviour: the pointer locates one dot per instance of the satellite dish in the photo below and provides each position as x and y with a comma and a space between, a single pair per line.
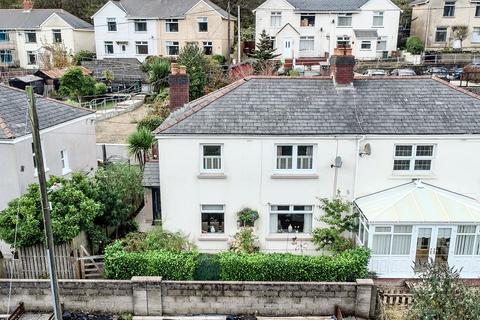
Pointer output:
338, 162
367, 150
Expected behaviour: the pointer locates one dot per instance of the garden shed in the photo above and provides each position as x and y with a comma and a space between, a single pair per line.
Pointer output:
408, 225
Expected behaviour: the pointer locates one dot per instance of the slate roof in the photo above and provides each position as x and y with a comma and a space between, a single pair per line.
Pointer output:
121, 68
327, 5
29, 78
162, 9
365, 33
314, 106
14, 121
20, 19
57, 73
151, 174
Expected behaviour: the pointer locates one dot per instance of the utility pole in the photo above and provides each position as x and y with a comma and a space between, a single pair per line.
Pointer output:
228, 33
37, 147
239, 49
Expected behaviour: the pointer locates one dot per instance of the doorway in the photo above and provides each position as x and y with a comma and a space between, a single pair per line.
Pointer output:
432, 244
287, 48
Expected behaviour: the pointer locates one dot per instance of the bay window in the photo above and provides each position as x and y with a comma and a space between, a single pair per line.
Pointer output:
213, 218
291, 218
413, 158
294, 157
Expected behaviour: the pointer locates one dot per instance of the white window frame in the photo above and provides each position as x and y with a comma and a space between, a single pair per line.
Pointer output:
65, 162
392, 233
450, 4
295, 158
141, 43
413, 157
27, 33
169, 44
378, 14
363, 230
443, 31
308, 15
169, 22
347, 17
32, 54
367, 42
55, 32
35, 171
204, 209
345, 39
106, 44
220, 158
476, 240
276, 19
112, 22
136, 23
202, 20
310, 40
207, 44
273, 216
475, 35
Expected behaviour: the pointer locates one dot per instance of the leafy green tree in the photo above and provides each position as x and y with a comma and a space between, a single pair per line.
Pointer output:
460, 33
83, 55
72, 211
150, 122
415, 45
108, 76
198, 67
157, 69
77, 85
339, 219
100, 88
442, 295
139, 144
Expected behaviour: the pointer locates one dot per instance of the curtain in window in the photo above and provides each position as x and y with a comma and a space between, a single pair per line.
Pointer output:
476, 35
464, 244
401, 244
381, 244
307, 44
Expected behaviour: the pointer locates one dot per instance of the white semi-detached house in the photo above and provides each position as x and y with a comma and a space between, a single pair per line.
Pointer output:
142, 28
312, 29
24, 33
405, 150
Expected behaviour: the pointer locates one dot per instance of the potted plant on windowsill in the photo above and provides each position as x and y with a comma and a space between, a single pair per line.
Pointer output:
247, 217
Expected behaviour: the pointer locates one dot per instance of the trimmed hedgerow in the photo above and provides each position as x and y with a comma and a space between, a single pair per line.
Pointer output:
208, 267
347, 266
166, 264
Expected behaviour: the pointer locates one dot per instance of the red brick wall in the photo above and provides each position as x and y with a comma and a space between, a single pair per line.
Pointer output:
179, 90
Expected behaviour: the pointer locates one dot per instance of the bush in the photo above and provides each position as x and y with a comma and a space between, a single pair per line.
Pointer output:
347, 266
150, 122
100, 88
156, 239
208, 267
415, 45
219, 58
294, 73
244, 241
166, 264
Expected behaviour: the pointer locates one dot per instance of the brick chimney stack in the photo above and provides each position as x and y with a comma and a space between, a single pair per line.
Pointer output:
179, 83
341, 66
27, 5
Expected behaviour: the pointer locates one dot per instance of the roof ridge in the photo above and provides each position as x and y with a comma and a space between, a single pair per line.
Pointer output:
4, 126
197, 105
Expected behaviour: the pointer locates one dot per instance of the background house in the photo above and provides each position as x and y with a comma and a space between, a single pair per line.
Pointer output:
24, 33
433, 22
312, 29
137, 29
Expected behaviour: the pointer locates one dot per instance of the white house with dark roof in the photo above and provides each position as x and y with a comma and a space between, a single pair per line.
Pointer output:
405, 150
24, 33
141, 28
67, 135
303, 30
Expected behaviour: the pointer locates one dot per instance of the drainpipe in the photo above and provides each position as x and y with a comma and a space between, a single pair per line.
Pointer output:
357, 157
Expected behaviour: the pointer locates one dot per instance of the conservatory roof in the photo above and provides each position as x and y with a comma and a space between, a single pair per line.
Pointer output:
418, 202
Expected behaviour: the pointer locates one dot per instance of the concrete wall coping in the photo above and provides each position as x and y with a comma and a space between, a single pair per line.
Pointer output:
365, 282
267, 282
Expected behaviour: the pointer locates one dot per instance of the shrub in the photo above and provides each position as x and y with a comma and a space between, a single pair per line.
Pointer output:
208, 267
150, 122
219, 58
415, 45
347, 266
166, 264
247, 217
156, 239
100, 88
244, 241
294, 73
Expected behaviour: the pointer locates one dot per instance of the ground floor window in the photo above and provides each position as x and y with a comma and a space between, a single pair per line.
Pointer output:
343, 41
173, 48
208, 48
291, 218
142, 47
6, 56
382, 45
441, 34
307, 43
366, 45
476, 34
108, 47
388, 240
363, 228
213, 218
468, 240
31, 58
156, 205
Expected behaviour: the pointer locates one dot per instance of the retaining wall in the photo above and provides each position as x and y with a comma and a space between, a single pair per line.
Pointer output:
152, 296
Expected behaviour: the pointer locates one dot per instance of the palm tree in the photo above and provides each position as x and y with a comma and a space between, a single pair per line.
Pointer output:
139, 144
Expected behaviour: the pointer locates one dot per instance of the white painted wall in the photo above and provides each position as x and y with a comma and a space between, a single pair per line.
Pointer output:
326, 30
249, 166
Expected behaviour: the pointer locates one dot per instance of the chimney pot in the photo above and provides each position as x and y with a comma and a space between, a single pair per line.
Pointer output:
182, 70
27, 5
341, 65
179, 83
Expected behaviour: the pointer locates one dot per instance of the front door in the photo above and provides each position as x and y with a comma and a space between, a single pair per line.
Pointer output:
432, 244
287, 48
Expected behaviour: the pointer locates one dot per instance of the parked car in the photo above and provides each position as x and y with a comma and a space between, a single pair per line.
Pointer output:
375, 73
456, 74
403, 72
440, 72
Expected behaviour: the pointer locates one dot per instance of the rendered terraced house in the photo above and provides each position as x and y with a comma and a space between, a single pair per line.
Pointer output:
404, 149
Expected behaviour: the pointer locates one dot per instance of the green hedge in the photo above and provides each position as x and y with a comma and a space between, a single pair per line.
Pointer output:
228, 266
166, 264
347, 266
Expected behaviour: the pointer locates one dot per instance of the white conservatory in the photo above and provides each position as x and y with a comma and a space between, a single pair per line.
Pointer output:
417, 222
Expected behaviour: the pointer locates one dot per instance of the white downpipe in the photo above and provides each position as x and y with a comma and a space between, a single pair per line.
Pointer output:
357, 158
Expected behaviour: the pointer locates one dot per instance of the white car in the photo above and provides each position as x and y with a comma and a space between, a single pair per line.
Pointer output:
375, 73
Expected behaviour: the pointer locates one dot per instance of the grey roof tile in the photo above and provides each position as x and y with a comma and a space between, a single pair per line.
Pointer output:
327, 5
151, 174
303, 106
20, 19
14, 113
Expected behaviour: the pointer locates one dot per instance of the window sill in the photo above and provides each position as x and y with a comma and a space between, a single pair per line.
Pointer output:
206, 175
66, 171
403, 175
378, 27
294, 176
289, 237
344, 26
209, 237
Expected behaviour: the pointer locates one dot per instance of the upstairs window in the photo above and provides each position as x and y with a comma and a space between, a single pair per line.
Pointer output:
213, 218
211, 158
307, 43
4, 36
171, 25
208, 48
441, 34
477, 10
291, 218
111, 24
202, 24
294, 157
449, 9
30, 36
173, 48
108, 47
6, 56
413, 158
57, 36
140, 25
344, 20
307, 20
141, 47
276, 19
378, 18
